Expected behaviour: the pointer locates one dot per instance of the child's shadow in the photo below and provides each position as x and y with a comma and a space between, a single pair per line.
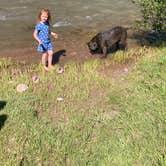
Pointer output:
57, 55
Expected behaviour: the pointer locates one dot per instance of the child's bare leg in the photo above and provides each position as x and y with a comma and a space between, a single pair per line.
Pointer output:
44, 60
44, 56
50, 56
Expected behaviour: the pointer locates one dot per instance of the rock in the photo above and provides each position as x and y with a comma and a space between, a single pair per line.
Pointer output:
125, 70
36, 79
60, 99
61, 70
89, 18
73, 53
21, 87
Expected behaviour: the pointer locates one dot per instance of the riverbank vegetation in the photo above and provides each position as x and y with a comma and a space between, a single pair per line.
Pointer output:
153, 14
112, 112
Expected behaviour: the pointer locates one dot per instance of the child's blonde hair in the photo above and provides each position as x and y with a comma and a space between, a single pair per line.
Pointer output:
46, 11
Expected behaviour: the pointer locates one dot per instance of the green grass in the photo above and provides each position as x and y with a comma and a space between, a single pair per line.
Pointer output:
100, 122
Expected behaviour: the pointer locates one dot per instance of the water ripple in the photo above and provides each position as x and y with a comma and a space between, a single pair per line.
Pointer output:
62, 24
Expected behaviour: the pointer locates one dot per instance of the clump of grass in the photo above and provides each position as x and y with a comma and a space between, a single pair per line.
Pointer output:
5, 63
132, 55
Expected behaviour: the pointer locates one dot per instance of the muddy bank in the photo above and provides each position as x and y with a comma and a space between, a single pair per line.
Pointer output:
71, 47
63, 51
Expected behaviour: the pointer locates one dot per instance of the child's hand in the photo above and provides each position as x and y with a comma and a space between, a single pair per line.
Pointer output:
54, 35
40, 42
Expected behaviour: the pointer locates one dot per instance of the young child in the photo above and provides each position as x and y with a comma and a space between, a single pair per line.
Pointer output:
42, 34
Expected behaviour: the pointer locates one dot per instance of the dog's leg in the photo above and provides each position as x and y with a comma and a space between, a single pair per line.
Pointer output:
122, 42
104, 49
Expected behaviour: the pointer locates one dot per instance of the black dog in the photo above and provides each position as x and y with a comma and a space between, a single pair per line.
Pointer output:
112, 39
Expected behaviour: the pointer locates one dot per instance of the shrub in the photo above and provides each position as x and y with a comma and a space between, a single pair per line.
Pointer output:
154, 14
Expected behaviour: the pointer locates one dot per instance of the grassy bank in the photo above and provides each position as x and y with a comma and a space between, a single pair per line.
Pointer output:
106, 117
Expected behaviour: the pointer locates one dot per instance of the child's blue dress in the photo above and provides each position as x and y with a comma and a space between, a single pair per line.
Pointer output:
44, 35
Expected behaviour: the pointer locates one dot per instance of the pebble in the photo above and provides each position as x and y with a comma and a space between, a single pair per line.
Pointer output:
35, 79
60, 99
61, 70
125, 70
21, 87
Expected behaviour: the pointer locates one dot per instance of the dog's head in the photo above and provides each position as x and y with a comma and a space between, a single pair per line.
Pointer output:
92, 45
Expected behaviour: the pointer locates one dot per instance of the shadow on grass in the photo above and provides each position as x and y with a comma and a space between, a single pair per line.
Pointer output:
148, 38
2, 104
57, 55
3, 118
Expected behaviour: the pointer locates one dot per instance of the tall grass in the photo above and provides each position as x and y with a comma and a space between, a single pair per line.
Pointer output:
99, 122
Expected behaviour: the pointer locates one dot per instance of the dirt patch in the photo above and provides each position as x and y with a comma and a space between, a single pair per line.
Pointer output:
118, 71
58, 116
74, 51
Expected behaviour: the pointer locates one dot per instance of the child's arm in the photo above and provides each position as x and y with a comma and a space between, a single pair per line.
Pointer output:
55, 35
35, 35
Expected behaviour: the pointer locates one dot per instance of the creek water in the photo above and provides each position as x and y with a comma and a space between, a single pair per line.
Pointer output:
71, 19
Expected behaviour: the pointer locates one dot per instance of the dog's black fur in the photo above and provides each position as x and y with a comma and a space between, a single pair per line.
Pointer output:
108, 41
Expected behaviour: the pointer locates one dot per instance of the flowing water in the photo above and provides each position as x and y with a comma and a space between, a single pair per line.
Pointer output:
70, 18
